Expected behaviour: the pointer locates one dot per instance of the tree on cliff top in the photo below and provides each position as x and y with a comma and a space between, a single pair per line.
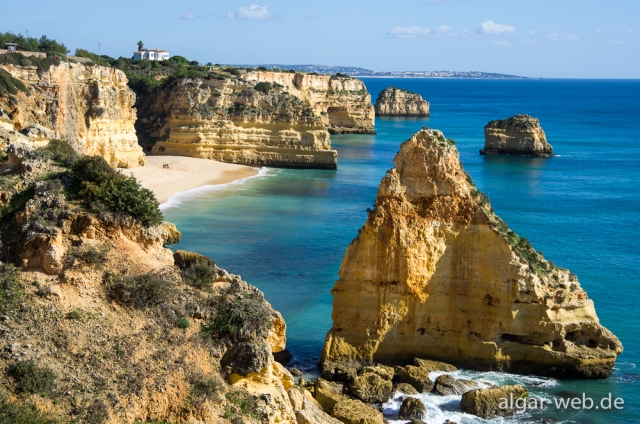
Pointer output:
31, 44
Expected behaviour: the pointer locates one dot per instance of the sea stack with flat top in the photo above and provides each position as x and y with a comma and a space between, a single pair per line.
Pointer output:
520, 135
435, 273
394, 101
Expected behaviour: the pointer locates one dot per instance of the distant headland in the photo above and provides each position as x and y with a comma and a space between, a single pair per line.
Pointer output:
354, 71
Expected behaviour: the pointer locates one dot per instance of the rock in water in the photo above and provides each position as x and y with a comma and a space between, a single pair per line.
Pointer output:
436, 273
489, 403
412, 408
519, 135
394, 101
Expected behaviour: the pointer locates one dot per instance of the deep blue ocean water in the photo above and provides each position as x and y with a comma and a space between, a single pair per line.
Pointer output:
286, 232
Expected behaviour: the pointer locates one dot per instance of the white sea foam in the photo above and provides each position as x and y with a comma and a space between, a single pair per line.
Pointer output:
442, 408
183, 196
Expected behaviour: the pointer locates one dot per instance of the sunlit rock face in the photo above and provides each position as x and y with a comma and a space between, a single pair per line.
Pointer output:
435, 273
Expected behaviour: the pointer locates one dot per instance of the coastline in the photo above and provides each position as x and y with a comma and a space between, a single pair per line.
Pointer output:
185, 174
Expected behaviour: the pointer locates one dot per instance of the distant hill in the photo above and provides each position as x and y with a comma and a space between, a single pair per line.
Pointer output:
362, 72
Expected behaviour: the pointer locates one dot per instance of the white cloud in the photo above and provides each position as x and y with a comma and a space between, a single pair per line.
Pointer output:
492, 28
445, 30
503, 43
417, 31
188, 16
253, 12
531, 42
410, 32
562, 36
312, 17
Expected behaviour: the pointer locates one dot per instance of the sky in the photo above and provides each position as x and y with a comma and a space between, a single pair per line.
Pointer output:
544, 38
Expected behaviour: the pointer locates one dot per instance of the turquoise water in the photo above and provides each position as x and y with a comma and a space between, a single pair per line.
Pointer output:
286, 231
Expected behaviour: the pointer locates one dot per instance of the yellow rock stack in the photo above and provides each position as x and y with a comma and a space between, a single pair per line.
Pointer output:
434, 273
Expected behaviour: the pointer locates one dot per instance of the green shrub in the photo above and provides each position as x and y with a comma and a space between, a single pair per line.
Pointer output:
102, 187
61, 152
238, 317
142, 290
263, 87
184, 322
75, 314
239, 405
204, 387
11, 290
98, 60
14, 413
32, 378
90, 255
9, 84
199, 274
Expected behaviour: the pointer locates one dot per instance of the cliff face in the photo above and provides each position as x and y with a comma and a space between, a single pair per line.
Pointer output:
519, 135
343, 103
230, 121
89, 106
395, 101
435, 273
99, 305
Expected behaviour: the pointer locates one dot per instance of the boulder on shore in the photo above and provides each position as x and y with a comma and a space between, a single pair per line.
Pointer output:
489, 403
412, 408
351, 411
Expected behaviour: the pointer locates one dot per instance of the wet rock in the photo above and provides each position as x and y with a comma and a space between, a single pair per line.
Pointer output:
447, 386
489, 403
418, 377
405, 388
371, 388
412, 408
295, 372
283, 357
432, 366
351, 411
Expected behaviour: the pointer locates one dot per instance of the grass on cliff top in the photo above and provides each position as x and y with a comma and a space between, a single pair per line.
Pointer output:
42, 64
522, 245
10, 85
15, 413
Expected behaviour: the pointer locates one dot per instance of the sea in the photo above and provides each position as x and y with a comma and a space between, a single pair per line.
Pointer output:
286, 231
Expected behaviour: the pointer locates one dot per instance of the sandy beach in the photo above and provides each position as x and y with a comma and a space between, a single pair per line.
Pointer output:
185, 173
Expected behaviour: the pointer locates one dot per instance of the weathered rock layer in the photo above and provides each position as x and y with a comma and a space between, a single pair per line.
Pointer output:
257, 118
519, 135
435, 273
90, 106
394, 101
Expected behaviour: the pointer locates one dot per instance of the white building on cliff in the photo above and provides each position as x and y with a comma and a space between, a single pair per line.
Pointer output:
149, 54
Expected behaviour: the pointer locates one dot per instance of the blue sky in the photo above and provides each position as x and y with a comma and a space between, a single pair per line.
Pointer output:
545, 38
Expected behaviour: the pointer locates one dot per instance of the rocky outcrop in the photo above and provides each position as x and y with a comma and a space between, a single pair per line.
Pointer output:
230, 121
436, 273
489, 403
351, 411
343, 102
519, 135
394, 101
89, 106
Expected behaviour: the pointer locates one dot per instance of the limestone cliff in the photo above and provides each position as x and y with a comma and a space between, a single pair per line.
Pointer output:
101, 323
343, 102
519, 135
230, 121
395, 101
89, 106
436, 273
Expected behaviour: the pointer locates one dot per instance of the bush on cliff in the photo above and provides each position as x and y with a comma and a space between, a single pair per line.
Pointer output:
32, 44
14, 413
101, 187
9, 84
238, 317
